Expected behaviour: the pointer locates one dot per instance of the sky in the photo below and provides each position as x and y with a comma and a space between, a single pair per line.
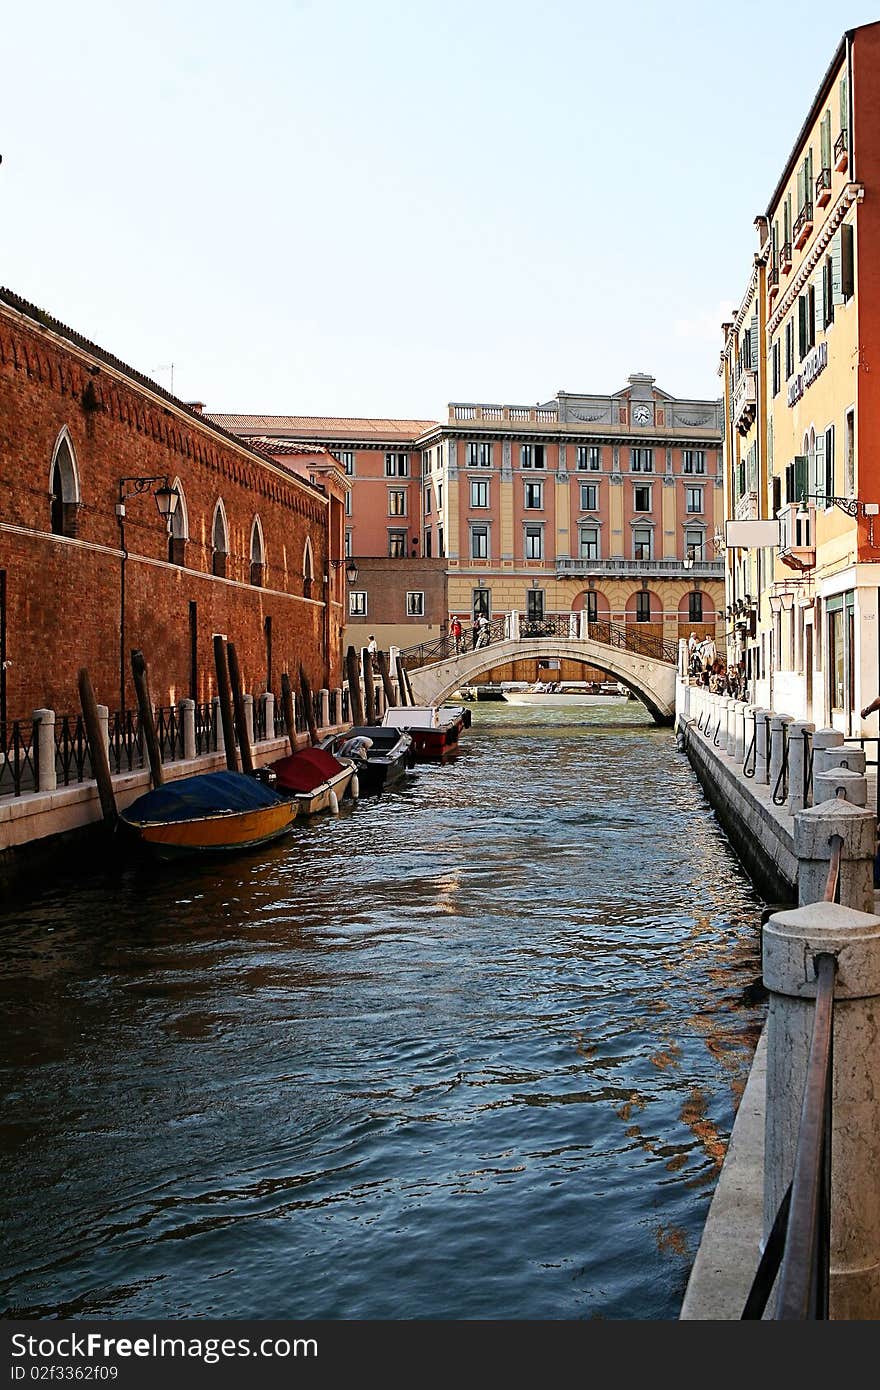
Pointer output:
336, 208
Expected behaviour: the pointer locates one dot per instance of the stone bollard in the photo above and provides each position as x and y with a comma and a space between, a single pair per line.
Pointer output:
268, 713
822, 740
840, 782
248, 703
218, 725
739, 750
813, 833
762, 734
779, 730
791, 942
731, 728
797, 761
104, 721
844, 755
187, 710
44, 748
325, 709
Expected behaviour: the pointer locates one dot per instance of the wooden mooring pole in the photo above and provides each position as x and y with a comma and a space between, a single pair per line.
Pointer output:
244, 742
225, 698
145, 708
355, 703
369, 694
288, 710
390, 697
97, 749
306, 691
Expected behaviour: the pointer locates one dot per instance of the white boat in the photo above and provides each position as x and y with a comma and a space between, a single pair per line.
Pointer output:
610, 693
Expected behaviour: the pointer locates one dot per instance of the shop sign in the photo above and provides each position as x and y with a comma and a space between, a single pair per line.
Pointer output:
815, 363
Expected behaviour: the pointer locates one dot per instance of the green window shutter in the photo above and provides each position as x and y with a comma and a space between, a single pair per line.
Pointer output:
819, 467
847, 262
844, 105
753, 335
800, 477
818, 301
802, 326
800, 188
829, 461
825, 140
836, 281
777, 495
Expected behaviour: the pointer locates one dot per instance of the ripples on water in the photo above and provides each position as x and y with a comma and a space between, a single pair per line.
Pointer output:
472, 1050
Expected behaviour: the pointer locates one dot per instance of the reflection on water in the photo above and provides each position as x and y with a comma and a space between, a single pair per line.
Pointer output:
471, 1050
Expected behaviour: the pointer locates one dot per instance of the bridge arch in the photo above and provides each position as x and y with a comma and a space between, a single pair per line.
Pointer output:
652, 681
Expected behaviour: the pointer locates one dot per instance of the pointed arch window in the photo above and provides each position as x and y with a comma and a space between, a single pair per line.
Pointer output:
308, 569
178, 528
63, 487
258, 554
219, 542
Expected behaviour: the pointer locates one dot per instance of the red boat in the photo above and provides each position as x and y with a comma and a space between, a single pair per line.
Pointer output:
434, 729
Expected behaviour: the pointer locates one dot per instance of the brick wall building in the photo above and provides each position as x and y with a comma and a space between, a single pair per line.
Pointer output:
253, 550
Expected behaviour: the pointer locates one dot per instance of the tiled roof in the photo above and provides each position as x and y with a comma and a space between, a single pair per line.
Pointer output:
282, 446
44, 320
333, 427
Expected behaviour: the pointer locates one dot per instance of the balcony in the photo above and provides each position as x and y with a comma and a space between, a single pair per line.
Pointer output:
823, 188
797, 531
841, 153
745, 400
785, 258
772, 280
803, 225
503, 414
659, 569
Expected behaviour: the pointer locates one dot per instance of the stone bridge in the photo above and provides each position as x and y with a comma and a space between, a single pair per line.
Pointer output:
651, 679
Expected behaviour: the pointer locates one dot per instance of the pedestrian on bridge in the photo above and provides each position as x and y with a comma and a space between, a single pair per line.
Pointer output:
456, 629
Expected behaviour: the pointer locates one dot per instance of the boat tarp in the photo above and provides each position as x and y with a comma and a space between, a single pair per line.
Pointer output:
206, 794
306, 770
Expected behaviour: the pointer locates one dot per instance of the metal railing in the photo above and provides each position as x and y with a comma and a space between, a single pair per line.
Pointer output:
206, 728
629, 637
780, 789
18, 757
72, 756
808, 768
798, 1248
840, 147
803, 221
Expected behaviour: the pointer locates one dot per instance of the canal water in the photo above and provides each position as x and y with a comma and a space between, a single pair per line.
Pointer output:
472, 1050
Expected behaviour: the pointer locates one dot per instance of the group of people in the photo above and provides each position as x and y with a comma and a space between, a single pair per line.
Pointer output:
707, 668
479, 633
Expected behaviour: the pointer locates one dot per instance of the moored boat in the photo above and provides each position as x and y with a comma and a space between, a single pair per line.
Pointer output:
608, 693
434, 729
381, 755
212, 812
312, 778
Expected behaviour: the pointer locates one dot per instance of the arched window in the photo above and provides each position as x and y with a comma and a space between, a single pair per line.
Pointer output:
64, 487
178, 528
219, 542
308, 569
258, 553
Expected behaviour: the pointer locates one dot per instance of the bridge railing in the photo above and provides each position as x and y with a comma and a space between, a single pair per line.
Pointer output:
629, 637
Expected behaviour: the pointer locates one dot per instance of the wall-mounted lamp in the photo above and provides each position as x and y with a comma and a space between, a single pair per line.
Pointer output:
351, 569
775, 603
851, 505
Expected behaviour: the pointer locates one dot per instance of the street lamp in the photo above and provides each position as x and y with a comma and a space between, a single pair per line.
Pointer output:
351, 569
167, 498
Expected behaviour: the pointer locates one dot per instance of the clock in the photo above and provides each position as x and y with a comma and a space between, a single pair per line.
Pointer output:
641, 414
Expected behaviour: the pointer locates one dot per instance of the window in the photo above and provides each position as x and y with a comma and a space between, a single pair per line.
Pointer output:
829, 462
531, 455
428, 500
63, 488
534, 542
643, 607
348, 550
827, 291
439, 497
357, 603
440, 551
589, 456
534, 605
789, 348
776, 369
694, 461
641, 460
478, 455
589, 497
257, 553
396, 502
396, 545
428, 547
806, 321
643, 538
849, 454
695, 608
693, 499
219, 543
589, 543
346, 458
415, 605
591, 605
177, 529
348, 504
641, 499
397, 465
693, 544
480, 494
479, 542
534, 496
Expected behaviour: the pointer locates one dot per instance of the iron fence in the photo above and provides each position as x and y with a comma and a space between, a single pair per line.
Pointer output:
72, 759
622, 636
18, 757
206, 729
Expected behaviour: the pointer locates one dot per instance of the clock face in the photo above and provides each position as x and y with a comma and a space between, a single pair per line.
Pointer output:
641, 415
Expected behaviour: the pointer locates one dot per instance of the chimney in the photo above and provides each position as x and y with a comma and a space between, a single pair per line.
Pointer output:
762, 227
197, 406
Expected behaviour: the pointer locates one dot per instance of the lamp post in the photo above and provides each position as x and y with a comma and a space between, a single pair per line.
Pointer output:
167, 498
351, 575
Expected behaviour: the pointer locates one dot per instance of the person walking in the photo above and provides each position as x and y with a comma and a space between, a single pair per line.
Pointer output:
482, 638
373, 649
456, 630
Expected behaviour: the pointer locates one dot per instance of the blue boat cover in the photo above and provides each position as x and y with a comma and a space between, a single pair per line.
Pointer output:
206, 794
